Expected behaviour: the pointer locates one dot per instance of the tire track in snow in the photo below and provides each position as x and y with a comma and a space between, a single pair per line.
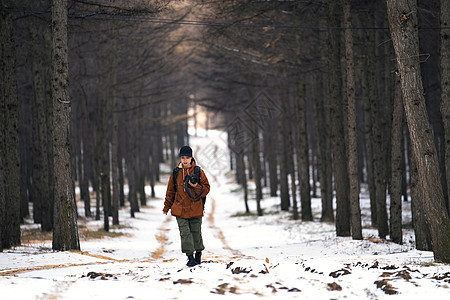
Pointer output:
219, 234
161, 237
12, 272
210, 218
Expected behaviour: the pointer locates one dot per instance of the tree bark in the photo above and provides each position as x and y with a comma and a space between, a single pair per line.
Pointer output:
106, 204
240, 161
421, 229
324, 154
270, 140
42, 205
65, 233
337, 126
369, 144
282, 153
115, 135
303, 154
255, 153
445, 86
378, 167
85, 157
352, 133
403, 20
291, 145
11, 229
396, 167
2, 148
121, 178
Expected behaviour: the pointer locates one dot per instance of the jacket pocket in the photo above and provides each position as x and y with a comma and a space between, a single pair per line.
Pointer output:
176, 209
196, 209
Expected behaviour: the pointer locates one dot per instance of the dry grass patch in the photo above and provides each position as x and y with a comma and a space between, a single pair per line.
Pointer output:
37, 236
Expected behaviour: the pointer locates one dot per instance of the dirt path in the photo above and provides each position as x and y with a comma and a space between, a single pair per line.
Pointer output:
163, 234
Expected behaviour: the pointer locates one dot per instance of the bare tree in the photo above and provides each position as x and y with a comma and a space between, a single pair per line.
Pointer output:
352, 133
324, 153
396, 168
378, 167
403, 20
65, 233
337, 124
303, 153
445, 85
42, 203
10, 135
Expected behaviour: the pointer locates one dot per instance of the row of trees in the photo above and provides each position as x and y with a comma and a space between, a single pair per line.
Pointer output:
299, 85
107, 128
327, 95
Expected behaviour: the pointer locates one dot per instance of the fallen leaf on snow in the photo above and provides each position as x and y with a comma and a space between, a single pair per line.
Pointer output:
334, 287
183, 281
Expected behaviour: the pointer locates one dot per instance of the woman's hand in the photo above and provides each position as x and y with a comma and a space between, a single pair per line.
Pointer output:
193, 185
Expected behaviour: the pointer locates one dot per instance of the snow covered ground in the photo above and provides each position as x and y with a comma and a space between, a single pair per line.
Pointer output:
246, 257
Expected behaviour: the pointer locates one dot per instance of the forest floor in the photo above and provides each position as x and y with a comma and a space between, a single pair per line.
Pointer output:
245, 257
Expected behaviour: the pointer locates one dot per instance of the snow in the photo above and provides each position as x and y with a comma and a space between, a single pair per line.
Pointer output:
246, 257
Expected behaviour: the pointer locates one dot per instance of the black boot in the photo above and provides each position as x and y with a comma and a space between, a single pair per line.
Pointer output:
198, 257
191, 261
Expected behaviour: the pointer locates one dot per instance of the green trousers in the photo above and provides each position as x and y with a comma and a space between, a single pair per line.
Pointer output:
191, 235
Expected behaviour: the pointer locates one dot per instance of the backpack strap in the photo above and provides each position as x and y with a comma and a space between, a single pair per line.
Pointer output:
175, 177
196, 171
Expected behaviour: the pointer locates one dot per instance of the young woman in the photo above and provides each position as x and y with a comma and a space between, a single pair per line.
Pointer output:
186, 188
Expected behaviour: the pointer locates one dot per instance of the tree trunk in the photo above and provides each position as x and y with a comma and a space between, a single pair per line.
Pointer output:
282, 153
98, 153
396, 167
121, 180
85, 159
106, 204
255, 154
324, 154
377, 178
404, 161
115, 165
84, 181
115, 135
142, 156
421, 229
377, 145
272, 153
44, 116
445, 86
2, 168
65, 233
290, 121
2, 173
403, 20
337, 128
131, 168
303, 154
11, 229
352, 133
240, 160
37, 148
369, 145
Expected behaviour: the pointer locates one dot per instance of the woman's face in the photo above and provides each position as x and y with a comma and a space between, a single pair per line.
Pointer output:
186, 161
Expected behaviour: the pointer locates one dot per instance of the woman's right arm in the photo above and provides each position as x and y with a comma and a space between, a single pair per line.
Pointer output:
170, 195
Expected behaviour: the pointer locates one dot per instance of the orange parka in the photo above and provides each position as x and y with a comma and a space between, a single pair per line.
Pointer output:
179, 202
